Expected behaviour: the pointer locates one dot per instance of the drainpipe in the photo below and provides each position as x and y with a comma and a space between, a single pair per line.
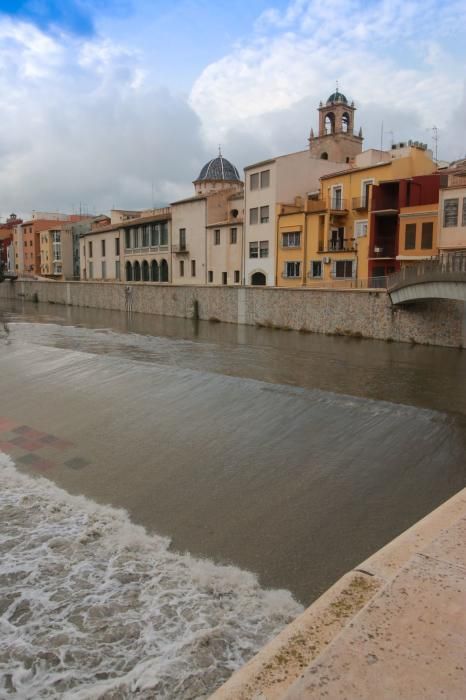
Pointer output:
245, 219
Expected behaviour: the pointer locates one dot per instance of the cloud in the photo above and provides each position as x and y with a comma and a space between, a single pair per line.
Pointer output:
392, 56
82, 126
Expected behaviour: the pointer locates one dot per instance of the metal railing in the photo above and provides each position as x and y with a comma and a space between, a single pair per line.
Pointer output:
347, 283
342, 244
360, 202
448, 267
179, 247
338, 204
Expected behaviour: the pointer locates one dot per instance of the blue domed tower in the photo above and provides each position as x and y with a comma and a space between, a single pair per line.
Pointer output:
336, 140
218, 174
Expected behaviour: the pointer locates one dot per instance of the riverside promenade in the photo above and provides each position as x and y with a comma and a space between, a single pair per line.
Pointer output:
394, 627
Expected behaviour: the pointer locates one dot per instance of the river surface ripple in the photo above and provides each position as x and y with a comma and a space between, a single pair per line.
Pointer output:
292, 456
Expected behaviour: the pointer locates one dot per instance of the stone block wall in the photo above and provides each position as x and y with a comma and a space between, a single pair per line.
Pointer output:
364, 313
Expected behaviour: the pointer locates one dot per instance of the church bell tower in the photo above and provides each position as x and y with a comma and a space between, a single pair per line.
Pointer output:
336, 140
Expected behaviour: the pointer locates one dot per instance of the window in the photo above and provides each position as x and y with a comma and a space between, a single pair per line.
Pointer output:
410, 236
450, 212
236, 276
181, 268
217, 236
154, 235
224, 278
365, 190
210, 276
360, 229
254, 181
135, 238
193, 268
164, 233
265, 179
234, 235
427, 234
337, 198
265, 215
343, 269
117, 246
90, 249
117, 269
145, 236
91, 270
463, 222
264, 249
127, 239
253, 215
254, 249
102, 245
291, 269
316, 269
104, 269
291, 240
182, 238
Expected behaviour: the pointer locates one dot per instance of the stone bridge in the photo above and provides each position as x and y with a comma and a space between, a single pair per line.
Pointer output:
438, 278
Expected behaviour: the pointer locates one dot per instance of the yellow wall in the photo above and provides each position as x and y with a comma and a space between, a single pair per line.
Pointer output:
288, 223
418, 215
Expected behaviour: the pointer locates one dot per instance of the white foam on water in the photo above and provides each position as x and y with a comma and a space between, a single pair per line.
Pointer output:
92, 606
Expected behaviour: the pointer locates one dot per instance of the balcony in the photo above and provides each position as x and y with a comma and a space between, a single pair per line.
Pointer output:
180, 248
360, 203
337, 205
385, 251
340, 245
316, 205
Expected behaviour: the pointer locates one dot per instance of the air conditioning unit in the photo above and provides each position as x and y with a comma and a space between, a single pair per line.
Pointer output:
377, 251
326, 260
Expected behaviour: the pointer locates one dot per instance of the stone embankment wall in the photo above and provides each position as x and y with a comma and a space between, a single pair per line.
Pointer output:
357, 313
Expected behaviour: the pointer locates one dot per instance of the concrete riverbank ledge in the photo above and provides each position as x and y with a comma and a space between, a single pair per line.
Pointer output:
357, 313
394, 627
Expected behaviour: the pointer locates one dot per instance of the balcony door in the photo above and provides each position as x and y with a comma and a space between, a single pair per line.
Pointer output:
337, 238
337, 197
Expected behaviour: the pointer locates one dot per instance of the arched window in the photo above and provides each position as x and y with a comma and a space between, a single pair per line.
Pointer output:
145, 271
163, 271
324, 156
329, 123
258, 279
345, 122
154, 271
129, 272
137, 272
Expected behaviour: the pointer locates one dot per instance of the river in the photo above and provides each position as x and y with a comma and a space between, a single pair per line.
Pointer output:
253, 466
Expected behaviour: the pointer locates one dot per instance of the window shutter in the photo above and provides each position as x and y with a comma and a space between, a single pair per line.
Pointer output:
284, 270
334, 268
354, 268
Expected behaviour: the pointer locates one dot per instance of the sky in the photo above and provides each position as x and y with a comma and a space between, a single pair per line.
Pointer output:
119, 103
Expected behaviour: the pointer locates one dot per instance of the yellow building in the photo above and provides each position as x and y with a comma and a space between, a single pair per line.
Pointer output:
347, 233
56, 252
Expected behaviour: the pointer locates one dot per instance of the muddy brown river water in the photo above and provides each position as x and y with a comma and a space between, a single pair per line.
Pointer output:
287, 455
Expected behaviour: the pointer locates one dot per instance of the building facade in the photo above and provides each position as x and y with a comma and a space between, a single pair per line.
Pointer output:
452, 209
208, 228
348, 232
136, 249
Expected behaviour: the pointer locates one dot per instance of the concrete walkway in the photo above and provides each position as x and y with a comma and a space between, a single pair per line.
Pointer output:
395, 627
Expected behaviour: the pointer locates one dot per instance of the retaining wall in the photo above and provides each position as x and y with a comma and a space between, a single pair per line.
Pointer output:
353, 312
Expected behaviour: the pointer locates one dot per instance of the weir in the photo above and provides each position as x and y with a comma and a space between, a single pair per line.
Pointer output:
289, 455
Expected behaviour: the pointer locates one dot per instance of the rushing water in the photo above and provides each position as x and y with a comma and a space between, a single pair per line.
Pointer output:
287, 455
